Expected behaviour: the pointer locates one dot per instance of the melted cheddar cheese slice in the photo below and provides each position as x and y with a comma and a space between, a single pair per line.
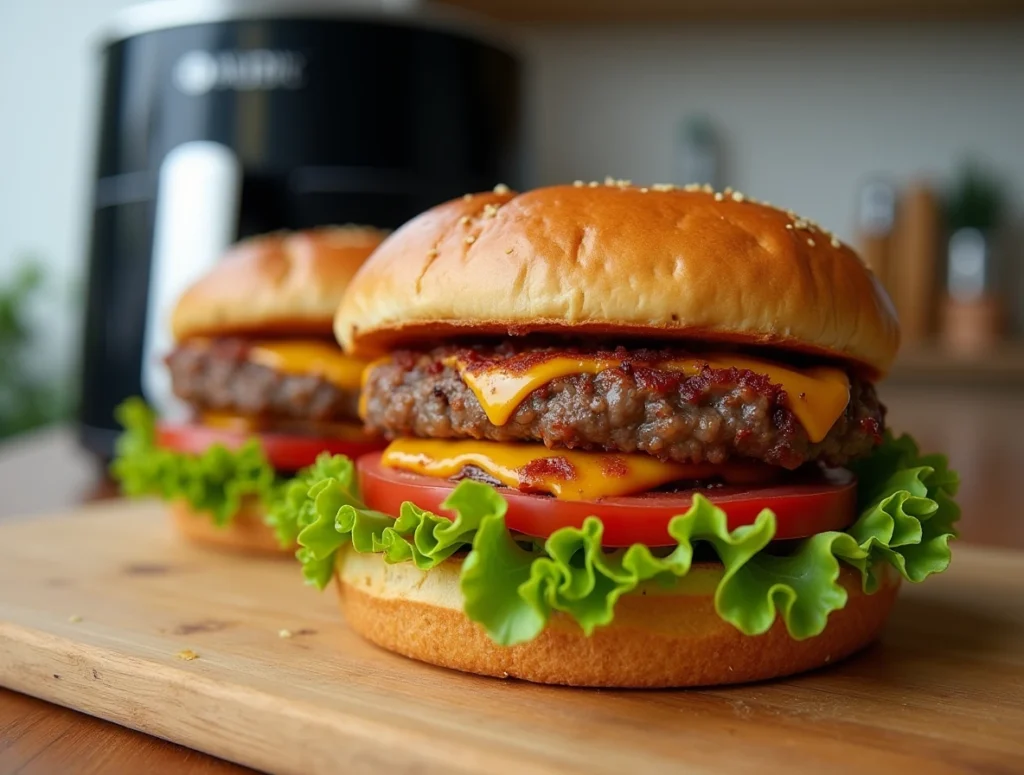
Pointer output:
567, 474
320, 359
817, 396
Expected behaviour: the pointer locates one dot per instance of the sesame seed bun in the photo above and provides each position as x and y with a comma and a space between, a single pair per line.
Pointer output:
246, 533
279, 283
619, 260
656, 640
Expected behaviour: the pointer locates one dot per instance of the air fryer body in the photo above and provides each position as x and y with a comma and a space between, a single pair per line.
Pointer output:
223, 129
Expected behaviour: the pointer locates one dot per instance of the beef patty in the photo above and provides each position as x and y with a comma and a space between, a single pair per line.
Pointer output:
713, 416
216, 377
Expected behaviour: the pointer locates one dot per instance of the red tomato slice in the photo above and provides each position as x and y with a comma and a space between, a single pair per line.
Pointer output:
802, 508
285, 452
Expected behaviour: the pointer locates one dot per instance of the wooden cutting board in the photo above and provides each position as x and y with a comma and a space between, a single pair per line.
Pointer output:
942, 692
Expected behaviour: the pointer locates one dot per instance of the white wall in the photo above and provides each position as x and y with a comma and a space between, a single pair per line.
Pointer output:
47, 109
808, 111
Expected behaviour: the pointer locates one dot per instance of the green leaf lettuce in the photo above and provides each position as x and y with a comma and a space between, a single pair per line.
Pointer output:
214, 482
512, 584
289, 509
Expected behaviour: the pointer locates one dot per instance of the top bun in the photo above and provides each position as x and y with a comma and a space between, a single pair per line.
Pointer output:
278, 283
617, 260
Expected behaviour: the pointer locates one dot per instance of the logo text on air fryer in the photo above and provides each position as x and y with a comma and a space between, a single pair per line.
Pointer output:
198, 72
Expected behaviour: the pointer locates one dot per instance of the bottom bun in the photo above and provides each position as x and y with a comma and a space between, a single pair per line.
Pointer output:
246, 532
656, 640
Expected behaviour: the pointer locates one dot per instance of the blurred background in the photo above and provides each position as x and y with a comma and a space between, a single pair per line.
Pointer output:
139, 140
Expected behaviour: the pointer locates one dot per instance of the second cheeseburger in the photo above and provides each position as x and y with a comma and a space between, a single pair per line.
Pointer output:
636, 442
267, 387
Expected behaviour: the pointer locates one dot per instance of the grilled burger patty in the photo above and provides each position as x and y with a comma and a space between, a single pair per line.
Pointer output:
714, 416
216, 377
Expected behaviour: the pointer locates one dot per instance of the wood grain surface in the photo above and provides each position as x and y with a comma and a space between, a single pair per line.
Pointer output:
941, 692
977, 426
38, 738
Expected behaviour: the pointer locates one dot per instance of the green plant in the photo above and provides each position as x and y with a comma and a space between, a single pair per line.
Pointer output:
975, 200
26, 400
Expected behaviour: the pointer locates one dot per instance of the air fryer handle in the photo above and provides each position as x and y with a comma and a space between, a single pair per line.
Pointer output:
197, 209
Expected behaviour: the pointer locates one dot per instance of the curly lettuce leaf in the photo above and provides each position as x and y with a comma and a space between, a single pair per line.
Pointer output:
417, 536
290, 510
577, 576
512, 585
906, 521
214, 482
908, 515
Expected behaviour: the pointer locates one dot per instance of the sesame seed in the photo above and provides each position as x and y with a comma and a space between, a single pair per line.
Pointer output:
490, 211
508, 251
737, 196
609, 181
284, 633
707, 188
465, 220
187, 654
623, 183
593, 184
691, 187
663, 187
644, 190
470, 239
74, 618
501, 188
810, 242
466, 197
836, 243
578, 183
789, 226
719, 197
727, 191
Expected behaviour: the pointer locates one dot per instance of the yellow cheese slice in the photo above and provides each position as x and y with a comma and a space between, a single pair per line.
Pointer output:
566, 474
321, 359
817, 396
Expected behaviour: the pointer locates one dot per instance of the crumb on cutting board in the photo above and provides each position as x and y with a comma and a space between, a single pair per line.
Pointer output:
74, 618
283, 633
187, 654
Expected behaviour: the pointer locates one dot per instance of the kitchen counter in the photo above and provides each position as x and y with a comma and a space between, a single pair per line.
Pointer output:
45, 472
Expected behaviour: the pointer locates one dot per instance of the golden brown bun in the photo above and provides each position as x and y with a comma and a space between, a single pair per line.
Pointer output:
654, 641
280, 283
623, 261
246, 533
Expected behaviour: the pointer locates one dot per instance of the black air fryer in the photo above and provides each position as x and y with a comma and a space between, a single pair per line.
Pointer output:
227, 118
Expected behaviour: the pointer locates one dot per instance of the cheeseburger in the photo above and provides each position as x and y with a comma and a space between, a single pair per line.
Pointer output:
635, 441
267, 387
